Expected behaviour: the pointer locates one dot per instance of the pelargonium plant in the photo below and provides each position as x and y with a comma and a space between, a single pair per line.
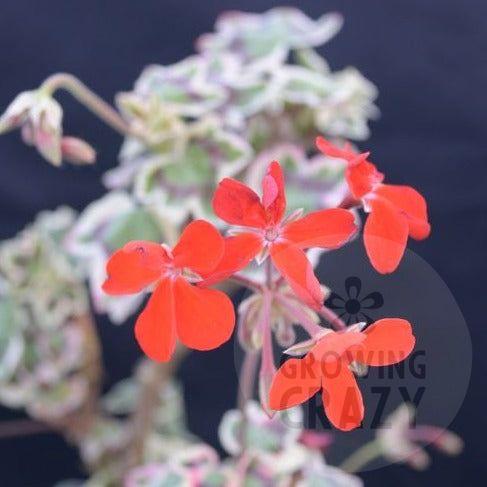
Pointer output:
238, 167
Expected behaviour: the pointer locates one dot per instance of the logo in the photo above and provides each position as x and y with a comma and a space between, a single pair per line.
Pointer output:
355, 306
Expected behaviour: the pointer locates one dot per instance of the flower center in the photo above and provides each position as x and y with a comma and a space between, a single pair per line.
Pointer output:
271, 234
172, 272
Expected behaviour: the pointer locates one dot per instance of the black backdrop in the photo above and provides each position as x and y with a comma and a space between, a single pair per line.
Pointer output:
429, 61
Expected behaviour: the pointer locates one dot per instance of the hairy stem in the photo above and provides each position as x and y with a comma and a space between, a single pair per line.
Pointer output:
247, 378
245, 281
99, 107
296, 313
268, 273
332, 318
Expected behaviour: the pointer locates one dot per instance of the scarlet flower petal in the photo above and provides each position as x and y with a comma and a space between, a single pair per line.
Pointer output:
331, 150
362, 178
134, 267
273, 193
205, 318
237, 204
387, 342
155, 329
412, 204
239, 251
328, 229
335, 345
294, 383
200, 247
385, 236
342, 398
295, 267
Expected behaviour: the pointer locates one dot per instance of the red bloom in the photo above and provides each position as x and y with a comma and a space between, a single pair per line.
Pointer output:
326, 367
396, 212
201, 318
286, 240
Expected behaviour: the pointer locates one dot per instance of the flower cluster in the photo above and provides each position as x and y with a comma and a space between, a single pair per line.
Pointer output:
182, 306
396, 212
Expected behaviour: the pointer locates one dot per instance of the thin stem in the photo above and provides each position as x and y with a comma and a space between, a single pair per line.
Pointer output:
265, 326
154, 377
268, 273
89, 99
245, 281
247, 376
81, 423
332, 318
295, 313
77, 424
247, 380
23, 427
361, 457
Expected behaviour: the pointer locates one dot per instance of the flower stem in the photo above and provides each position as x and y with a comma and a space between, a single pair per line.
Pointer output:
332, 318
245, 281
154, 376
295, 313
268, 273
361, 457
89, 99
247, 376
23, 427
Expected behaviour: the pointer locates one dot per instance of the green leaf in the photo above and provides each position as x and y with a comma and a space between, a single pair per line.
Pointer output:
135, 225
7, 322
193, 168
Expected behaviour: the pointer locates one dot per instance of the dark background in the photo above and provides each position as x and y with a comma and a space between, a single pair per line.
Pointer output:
428, 59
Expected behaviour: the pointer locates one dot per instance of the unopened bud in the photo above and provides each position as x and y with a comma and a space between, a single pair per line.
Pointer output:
46, 118
449, 443
77, 151
17, 112
418, 459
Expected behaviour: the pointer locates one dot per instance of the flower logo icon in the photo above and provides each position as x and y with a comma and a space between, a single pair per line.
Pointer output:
354, 307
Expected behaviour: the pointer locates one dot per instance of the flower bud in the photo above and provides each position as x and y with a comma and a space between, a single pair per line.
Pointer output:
449, 443
39, 116
46, 117
77, 151
17, 112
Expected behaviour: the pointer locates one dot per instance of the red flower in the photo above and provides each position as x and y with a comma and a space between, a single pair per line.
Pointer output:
396, 212
326, 367
285, 240
201, 318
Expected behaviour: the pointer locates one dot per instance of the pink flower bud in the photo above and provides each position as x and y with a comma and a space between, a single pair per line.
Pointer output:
46, 116
39, 116
77, 151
